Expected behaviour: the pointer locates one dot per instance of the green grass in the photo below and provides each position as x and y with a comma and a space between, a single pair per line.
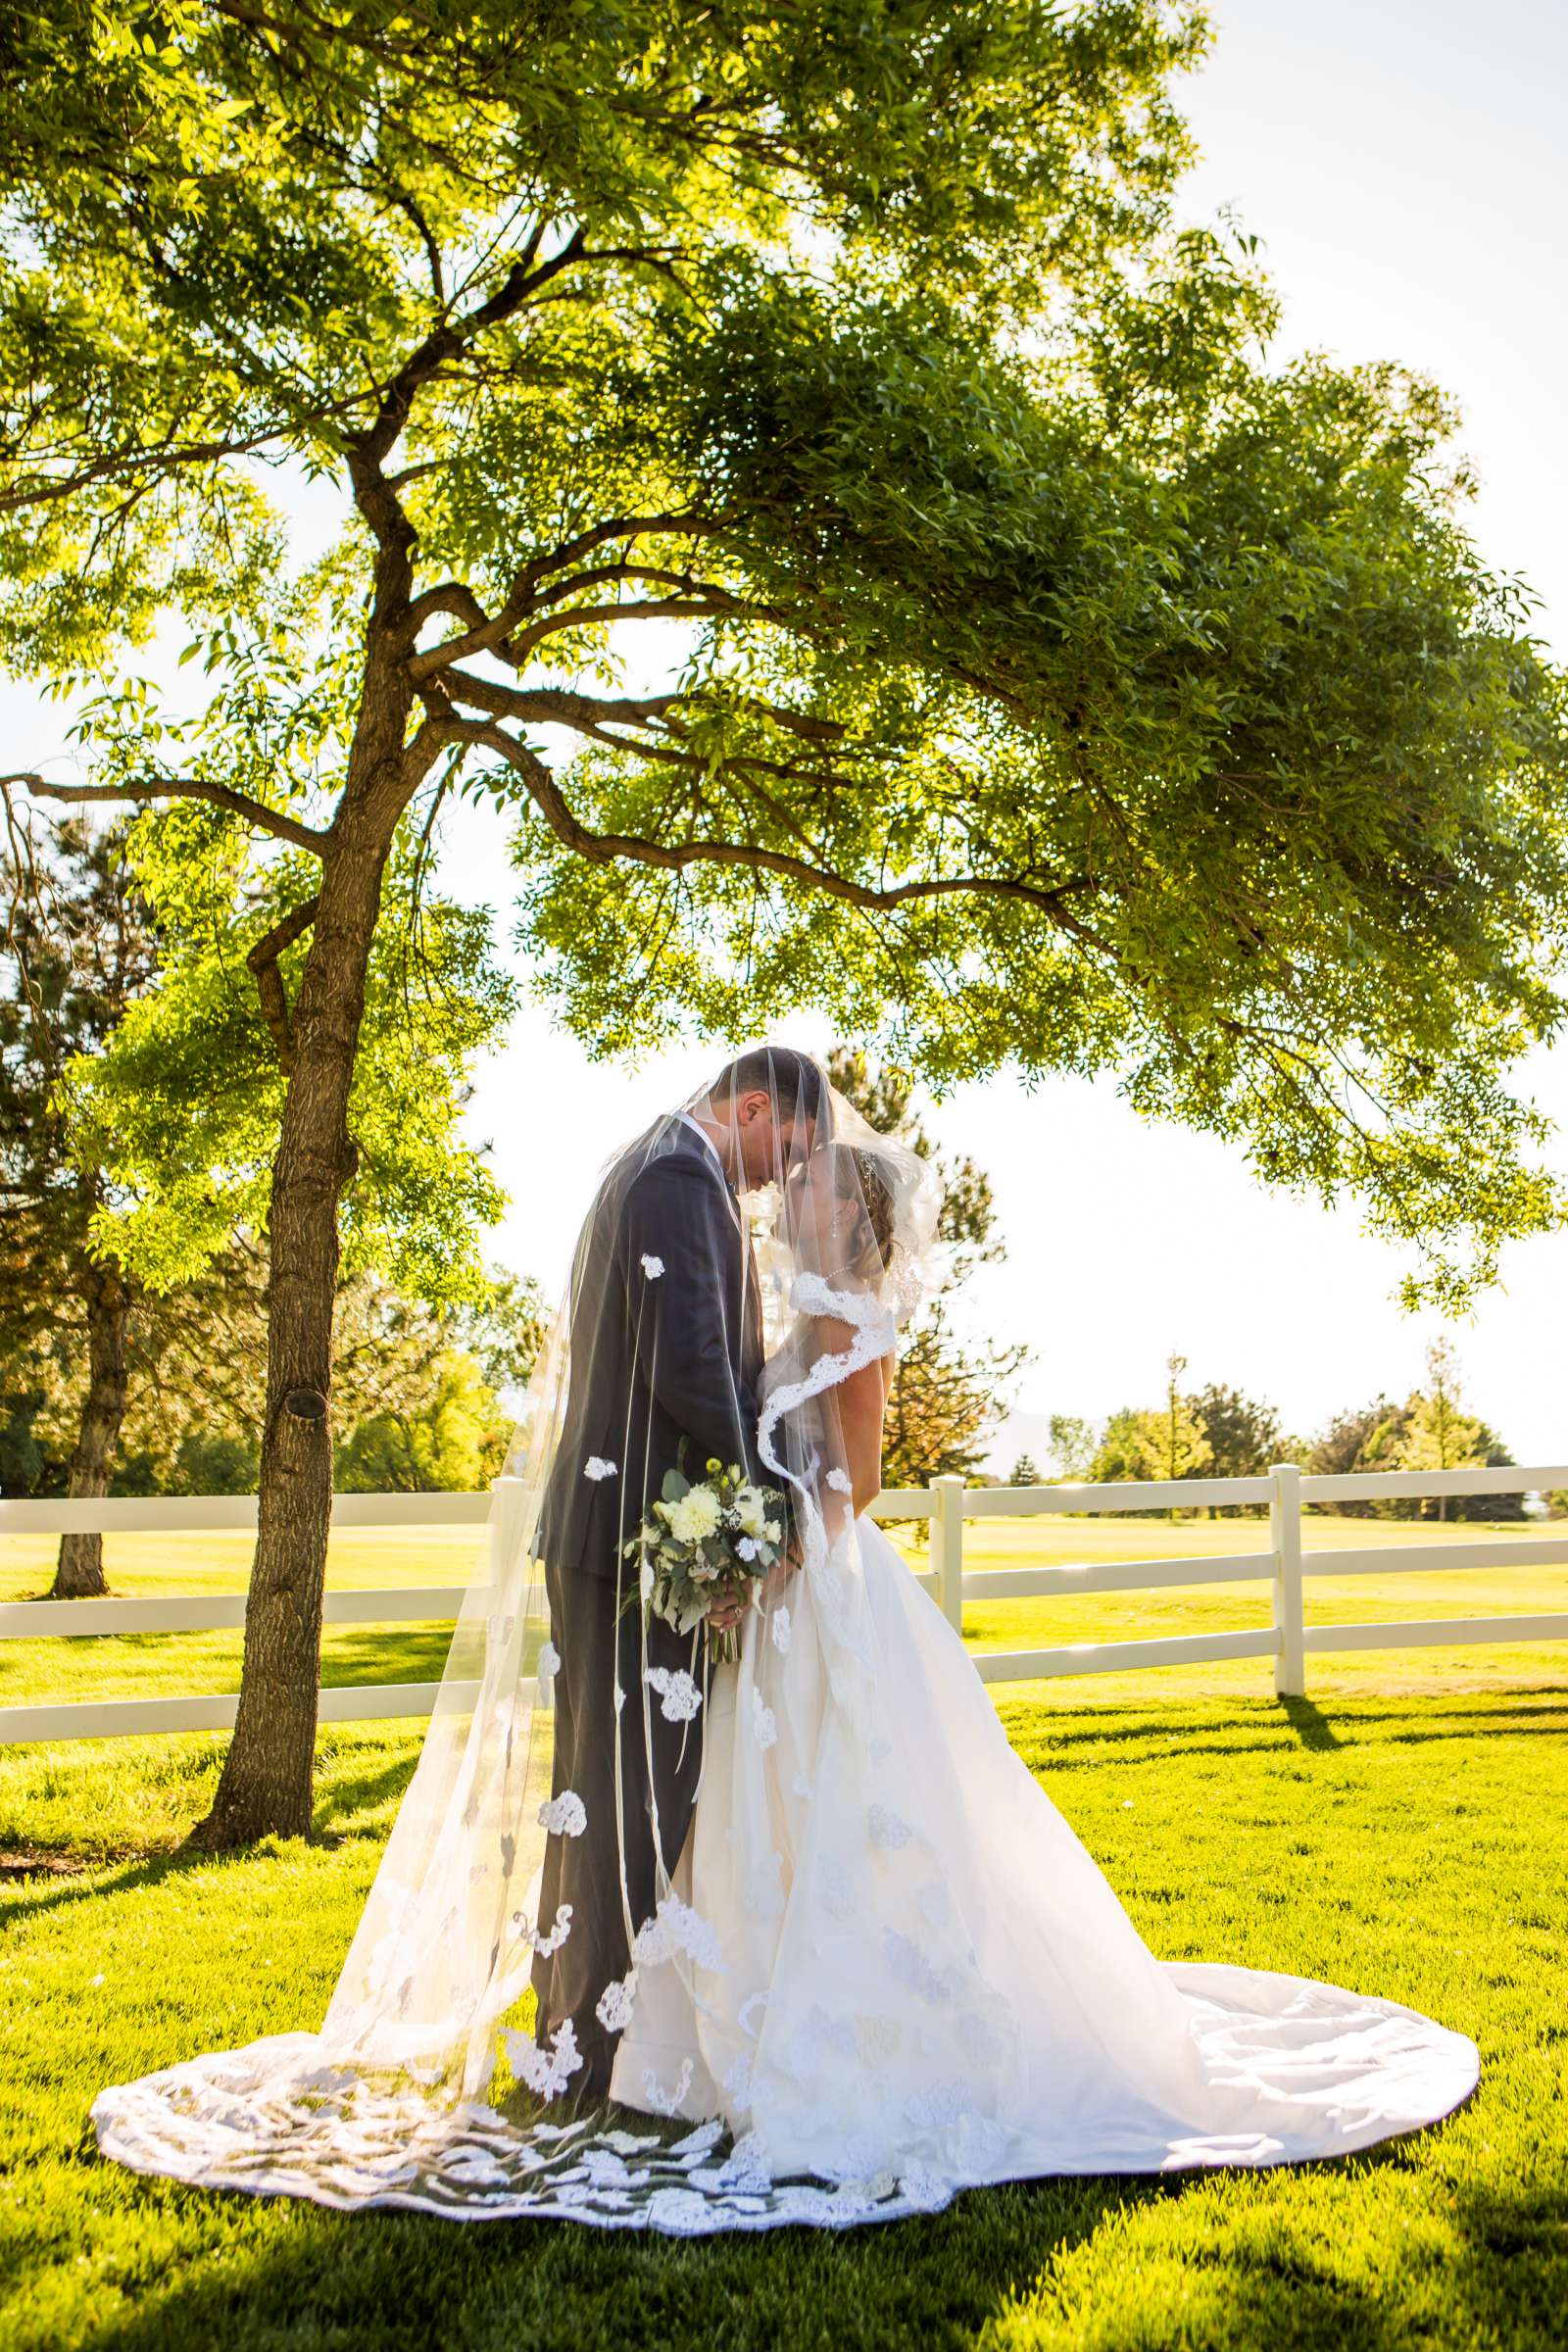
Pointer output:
1406, 1841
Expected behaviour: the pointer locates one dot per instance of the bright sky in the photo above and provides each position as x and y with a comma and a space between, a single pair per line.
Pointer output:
1404, 164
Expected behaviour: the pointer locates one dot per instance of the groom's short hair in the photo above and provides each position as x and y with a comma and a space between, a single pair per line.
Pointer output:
794, 1080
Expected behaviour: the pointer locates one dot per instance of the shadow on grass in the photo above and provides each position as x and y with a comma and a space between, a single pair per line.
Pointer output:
376, 2282
1279, 1726
382, 2281
39, 1894
368, 1653
1311, 1725
75, 1877
339, 1794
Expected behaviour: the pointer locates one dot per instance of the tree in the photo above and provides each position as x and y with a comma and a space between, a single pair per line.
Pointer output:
1167, 1443
440, 1422
1184, 1441
1429, 1431
1345, 1445
132, 1295
1436, 1432
947, 1392
455, 1441
77, 950
1050, 680
1074, 1444
1242, 1435
1024, 1472
1435, 1435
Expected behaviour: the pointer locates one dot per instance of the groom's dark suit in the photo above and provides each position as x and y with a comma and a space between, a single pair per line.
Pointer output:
666, 1352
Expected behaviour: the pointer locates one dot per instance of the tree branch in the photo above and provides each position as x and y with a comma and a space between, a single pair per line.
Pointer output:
485, 630
709, 604
447, 340
182, 788
621, 526
602, 849
262, 962
590, 714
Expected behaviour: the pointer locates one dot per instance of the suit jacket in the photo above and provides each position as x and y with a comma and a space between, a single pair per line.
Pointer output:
666, 1347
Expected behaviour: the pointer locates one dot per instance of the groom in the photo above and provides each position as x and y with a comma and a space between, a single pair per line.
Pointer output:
666, 1357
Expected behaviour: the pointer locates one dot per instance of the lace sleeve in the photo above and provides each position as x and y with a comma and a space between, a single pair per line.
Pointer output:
876, 1328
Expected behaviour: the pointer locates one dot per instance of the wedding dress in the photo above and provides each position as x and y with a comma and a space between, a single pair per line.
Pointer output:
880, 1969
921, 1973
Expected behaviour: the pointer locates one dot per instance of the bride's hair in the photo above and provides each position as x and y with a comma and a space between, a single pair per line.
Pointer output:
865, 1177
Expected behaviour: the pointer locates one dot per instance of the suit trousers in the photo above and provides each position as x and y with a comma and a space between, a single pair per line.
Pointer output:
609, 1873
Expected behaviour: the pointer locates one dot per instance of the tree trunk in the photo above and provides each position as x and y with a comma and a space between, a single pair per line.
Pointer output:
79, 1570
266, 1785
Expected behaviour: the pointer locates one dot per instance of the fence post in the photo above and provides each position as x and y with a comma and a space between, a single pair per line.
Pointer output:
1285, 1538
946, 1546
506, 1526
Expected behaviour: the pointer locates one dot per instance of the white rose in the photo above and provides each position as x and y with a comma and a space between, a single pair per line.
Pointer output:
751, 1511
773, 1531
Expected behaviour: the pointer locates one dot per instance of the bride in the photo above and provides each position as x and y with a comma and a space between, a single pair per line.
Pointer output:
863, 1962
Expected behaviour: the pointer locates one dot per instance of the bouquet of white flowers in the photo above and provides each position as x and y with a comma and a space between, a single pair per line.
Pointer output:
706, 1542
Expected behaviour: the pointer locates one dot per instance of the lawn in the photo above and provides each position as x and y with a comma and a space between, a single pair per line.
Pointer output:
1406, 1841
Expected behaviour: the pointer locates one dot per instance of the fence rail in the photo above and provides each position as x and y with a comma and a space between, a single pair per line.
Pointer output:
947, 1505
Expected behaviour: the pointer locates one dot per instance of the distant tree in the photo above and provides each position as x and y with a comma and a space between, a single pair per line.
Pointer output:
1184, 1441
77, 950
428, 1410
454, 1442
1145, 1443
1343, 1446
1436, 1432
504, 1330
1164, 1442
1241, 1434
1024, 1472
948, 1393
1074, 1444
1429, 1431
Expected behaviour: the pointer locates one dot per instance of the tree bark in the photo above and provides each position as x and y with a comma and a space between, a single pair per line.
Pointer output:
266, 1785
79, 1570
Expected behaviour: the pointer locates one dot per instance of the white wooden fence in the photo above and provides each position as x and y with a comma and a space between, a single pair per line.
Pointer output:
947, 1504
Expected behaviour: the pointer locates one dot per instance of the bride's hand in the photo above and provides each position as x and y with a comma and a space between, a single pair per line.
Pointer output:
724, 1615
